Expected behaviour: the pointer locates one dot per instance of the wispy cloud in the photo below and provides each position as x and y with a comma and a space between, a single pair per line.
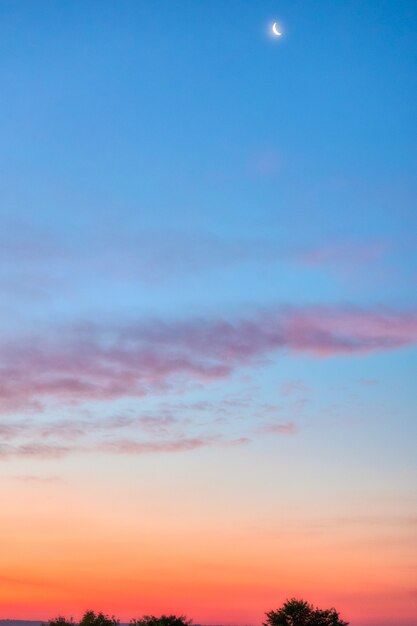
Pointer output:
36, 262
90, 362
285, 428
35, 478
96, 362
345, 253
164, 431
34, 450
126, 446
291, 387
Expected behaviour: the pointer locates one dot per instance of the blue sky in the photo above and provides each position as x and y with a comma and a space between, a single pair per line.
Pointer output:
207, 257
188, 121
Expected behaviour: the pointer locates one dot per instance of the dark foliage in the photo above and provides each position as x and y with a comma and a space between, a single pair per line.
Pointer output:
292, 613
98, 619
163, 620
89, 619
300, 613
60, 621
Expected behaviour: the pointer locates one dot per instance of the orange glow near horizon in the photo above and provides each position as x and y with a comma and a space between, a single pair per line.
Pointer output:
70, 552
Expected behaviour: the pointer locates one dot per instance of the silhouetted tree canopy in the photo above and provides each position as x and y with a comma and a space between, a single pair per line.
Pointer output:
98, 619
88, 619
163, 620
292, 613
300, 613
60, 621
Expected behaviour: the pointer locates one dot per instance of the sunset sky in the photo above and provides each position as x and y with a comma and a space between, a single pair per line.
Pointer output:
208, 288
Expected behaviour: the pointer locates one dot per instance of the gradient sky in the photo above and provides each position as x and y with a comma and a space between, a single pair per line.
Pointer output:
208, 286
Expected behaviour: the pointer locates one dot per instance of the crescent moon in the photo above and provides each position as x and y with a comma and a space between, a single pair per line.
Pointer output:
275, 30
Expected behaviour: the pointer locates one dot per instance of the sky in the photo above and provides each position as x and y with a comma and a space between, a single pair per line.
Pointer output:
208, 288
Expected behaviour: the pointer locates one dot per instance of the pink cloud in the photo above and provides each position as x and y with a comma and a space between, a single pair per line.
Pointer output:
343, 253
35, 450
137, 434
10, 431
93, 362
291, 387
183, 444
119, 446
35, 261
265, 163
287, 428
127, 446
76, 429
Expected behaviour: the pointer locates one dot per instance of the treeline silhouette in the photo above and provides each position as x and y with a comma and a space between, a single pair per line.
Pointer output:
293, 612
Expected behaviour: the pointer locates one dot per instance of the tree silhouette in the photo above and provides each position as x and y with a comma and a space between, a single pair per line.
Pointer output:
163, 620
98, 619
300, 613
60, 621
88, 619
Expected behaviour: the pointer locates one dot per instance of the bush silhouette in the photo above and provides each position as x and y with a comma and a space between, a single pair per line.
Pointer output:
300, 613
98, 619
293, 612
88, 619
163, 620
60, 621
